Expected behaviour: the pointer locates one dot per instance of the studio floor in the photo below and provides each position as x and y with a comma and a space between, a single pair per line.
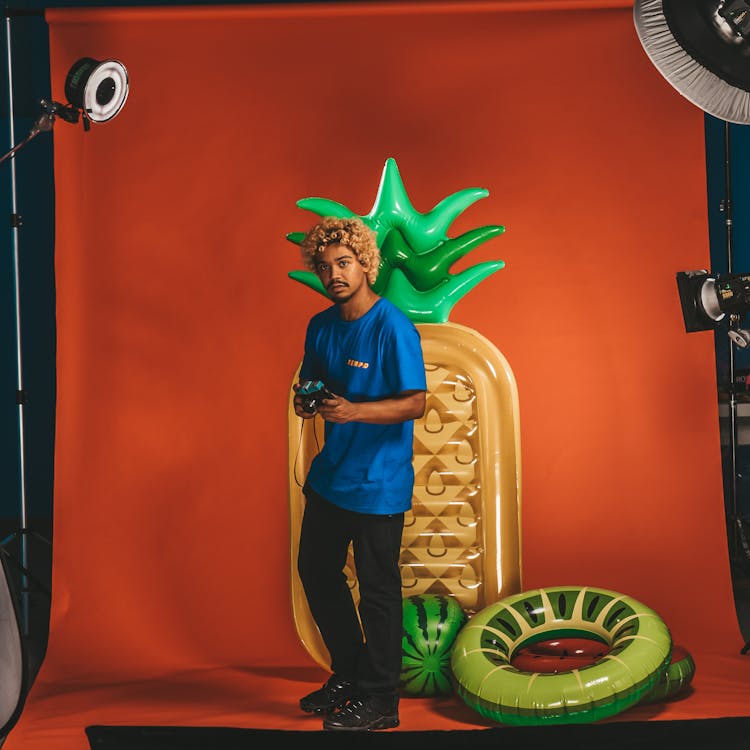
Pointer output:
232, 708
258, 706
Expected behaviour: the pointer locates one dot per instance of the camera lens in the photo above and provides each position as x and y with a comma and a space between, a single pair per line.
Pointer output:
309, 405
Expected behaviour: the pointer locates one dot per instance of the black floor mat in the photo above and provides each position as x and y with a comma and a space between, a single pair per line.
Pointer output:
705, 733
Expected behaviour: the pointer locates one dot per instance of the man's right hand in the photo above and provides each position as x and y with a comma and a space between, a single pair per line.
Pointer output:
298, 410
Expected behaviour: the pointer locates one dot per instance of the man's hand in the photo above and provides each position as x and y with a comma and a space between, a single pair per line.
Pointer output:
405, 406
298, 410
337, 409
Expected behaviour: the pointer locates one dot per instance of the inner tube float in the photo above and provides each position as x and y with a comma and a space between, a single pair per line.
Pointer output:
559, 655
638, 652
676, 679
564, 654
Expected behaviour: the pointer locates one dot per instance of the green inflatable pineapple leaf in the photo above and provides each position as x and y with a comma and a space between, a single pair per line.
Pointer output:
415, 250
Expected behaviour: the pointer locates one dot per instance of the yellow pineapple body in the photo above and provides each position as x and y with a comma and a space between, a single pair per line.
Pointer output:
462, 537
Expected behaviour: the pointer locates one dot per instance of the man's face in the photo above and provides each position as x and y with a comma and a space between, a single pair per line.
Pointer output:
340, 272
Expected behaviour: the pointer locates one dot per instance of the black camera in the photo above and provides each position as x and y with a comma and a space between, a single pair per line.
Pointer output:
312, 392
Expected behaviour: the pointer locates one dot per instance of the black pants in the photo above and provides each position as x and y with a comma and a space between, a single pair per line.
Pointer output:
369, 656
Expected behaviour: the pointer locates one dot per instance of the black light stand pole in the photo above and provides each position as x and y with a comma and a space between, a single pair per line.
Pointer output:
20, 391
738, 542
726, 207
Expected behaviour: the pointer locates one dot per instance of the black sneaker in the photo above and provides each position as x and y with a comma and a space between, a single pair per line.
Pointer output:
334, 694
364, 714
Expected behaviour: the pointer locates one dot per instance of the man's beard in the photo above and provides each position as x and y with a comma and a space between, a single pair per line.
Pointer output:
347, 291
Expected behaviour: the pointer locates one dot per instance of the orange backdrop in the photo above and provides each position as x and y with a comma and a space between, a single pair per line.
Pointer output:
179, 330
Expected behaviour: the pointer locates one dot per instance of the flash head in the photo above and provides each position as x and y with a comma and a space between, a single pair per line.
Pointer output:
706, 298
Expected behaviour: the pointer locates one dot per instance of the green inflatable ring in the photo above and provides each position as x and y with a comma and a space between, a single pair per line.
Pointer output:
675, 680
640, 650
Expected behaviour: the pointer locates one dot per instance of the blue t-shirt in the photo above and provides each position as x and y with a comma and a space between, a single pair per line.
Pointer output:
363, 467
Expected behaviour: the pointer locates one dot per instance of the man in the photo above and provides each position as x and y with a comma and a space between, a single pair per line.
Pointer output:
369, 356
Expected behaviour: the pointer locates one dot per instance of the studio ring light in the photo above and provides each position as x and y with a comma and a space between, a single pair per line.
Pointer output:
97, 89
96, 92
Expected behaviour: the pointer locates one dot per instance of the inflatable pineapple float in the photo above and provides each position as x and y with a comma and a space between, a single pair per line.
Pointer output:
462, 536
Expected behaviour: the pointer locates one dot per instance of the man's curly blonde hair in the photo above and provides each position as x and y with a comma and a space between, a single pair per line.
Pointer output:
353, 233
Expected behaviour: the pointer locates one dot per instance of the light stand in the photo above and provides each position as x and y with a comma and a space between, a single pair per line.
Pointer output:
702, 48
96, 92
737, 337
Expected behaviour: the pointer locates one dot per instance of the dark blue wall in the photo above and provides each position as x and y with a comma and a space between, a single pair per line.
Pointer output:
727, 157
35, 277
